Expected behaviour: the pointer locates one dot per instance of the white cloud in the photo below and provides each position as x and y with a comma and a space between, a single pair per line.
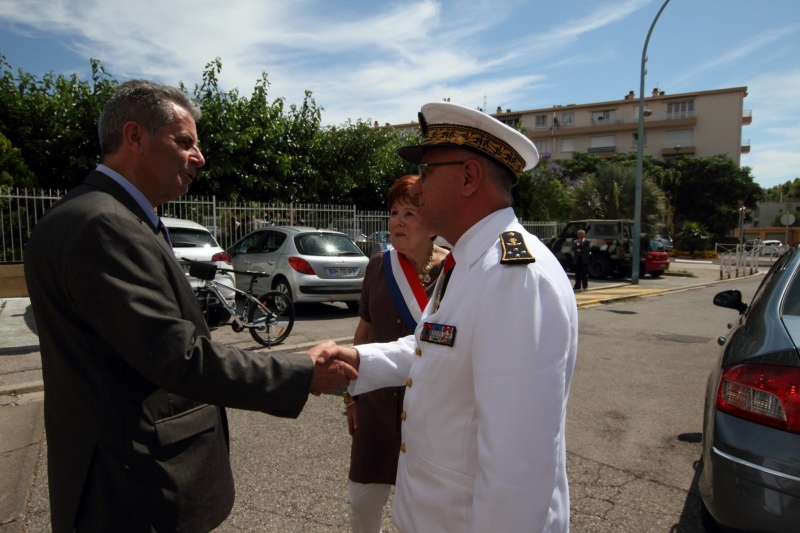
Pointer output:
773, 167
567, 32
343, 56
744, 49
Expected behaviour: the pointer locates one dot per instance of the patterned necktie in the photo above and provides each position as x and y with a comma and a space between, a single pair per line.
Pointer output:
165, 232
447, 270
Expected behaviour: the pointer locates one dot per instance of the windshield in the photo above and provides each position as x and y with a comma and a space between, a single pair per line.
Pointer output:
191, 238
325, 244
571, 231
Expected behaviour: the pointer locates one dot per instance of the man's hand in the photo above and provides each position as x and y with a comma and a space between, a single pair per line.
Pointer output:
330, 375
328, 350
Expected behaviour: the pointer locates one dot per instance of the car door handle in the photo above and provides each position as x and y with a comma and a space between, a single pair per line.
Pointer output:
270, 262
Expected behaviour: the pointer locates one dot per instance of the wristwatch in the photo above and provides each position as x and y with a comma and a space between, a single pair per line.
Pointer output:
348, 400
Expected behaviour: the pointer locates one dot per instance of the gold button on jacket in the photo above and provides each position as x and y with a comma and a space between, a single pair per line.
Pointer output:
408, 383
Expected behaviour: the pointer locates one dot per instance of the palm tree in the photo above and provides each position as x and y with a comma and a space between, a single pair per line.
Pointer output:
610, 192
693, 235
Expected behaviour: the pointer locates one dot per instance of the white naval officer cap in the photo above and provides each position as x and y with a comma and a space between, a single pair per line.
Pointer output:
448, 125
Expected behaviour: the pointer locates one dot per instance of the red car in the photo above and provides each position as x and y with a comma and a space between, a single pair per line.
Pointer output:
656, 261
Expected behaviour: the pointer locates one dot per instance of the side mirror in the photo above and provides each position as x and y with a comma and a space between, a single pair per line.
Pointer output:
731, 300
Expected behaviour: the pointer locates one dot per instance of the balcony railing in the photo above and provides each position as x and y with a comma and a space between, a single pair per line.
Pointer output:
625, 120
600, 149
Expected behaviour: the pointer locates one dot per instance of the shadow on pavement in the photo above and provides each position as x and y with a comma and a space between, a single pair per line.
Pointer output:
30, 321
689, 521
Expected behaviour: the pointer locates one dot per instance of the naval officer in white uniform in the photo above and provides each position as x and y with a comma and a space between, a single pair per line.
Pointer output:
488, 368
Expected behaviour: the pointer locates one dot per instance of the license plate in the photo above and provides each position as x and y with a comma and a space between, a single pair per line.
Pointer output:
341, 271
662, 265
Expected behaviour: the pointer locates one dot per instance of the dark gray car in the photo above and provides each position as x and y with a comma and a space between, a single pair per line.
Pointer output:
750, 473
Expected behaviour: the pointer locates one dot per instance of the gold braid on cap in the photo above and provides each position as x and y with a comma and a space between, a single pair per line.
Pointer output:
480, 140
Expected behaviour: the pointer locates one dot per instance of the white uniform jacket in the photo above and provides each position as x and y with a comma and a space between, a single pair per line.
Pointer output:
483, 431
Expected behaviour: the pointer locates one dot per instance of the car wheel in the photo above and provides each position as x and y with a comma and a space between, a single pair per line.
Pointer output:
599, 267
656, 273
281, 285
353, 306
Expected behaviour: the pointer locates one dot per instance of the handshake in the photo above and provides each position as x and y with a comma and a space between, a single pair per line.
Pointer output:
334, 367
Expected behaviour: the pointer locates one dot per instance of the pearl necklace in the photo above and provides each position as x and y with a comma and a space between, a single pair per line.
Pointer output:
425, 277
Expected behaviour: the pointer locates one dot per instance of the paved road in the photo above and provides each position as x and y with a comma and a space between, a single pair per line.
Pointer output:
633, 425
636, 408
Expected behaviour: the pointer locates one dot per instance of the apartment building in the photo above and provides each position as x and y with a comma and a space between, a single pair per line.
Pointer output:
702, 123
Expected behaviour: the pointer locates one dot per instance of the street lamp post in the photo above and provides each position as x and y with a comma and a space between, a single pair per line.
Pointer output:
637, 216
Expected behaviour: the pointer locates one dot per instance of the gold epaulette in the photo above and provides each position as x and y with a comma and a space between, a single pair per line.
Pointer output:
514, 249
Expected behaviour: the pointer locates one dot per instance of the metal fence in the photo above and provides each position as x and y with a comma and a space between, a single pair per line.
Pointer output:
744, 259
20, 210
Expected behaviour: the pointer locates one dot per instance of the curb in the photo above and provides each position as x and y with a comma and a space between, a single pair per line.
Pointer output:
657, 291
21, 388
628, 297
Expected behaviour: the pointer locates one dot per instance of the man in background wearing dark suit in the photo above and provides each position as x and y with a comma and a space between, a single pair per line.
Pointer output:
580, 257
137, 437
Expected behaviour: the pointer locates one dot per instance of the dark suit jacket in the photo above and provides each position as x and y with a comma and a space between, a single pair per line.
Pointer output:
581, 250
132, 379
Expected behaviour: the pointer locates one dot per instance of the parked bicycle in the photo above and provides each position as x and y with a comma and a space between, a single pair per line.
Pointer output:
269, 318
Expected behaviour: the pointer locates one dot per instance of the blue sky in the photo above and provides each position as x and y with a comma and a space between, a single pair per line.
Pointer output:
382, 60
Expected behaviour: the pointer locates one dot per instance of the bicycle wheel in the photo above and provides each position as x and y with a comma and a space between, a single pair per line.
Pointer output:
273, 321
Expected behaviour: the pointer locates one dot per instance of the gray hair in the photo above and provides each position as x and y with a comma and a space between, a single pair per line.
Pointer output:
147, 103
498, 174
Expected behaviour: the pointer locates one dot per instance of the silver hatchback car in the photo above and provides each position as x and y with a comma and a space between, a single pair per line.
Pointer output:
306, 264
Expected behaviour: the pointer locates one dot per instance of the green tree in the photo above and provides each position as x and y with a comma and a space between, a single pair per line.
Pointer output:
255, 149
53, 121
712, 189
610, 192
692, 237
785, 191
543, 194
357, 163
776, 222
13, 170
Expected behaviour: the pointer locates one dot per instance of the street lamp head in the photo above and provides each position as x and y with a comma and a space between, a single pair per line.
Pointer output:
647, 112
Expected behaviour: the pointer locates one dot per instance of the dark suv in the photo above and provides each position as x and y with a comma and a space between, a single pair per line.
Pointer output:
611, 248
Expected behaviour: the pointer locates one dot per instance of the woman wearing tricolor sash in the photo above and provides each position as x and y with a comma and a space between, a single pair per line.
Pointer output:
397, 286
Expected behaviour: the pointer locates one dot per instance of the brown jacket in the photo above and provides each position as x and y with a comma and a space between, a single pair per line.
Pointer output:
376, 442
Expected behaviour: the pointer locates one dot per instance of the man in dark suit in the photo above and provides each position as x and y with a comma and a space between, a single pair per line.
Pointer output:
580, 258
137, 437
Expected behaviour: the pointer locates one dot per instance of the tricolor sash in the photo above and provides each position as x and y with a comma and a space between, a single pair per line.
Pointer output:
407, 292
